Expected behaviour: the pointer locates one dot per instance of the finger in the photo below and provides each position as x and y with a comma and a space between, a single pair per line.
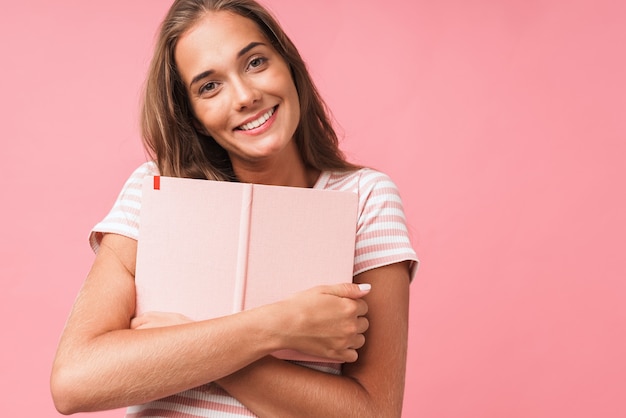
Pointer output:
348, 290
358, 341
362, 324
136, 322
350, 356
361, 307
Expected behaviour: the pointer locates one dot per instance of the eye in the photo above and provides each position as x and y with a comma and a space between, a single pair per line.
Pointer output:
208, 87
256, 62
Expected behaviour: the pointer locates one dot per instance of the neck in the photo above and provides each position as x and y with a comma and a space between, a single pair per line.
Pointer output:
288, 169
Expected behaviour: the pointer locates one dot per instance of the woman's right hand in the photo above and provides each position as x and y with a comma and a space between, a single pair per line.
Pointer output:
325, 321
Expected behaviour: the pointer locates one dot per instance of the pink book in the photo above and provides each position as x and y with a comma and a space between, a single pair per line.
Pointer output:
209, 248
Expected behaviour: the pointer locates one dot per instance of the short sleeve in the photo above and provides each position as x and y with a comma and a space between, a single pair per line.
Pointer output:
382, 234
123, 218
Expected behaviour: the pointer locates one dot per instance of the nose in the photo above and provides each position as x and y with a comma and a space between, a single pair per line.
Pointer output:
245, 93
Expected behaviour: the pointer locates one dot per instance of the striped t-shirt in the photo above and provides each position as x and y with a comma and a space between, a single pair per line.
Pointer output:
382, 238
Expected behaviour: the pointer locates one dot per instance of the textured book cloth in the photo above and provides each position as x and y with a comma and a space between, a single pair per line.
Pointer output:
208, 248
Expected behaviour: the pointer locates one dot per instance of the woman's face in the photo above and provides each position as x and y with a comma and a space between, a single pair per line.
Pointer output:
240, 88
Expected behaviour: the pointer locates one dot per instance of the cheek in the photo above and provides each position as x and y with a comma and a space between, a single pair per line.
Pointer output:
211, 119
296, 106
291, 94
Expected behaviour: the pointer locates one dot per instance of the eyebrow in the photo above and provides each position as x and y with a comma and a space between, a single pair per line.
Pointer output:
241, 53
250, 46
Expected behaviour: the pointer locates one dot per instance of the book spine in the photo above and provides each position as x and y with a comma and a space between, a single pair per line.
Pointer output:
242, 250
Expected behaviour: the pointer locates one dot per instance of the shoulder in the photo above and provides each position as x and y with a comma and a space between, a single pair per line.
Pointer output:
149, 168
382, 235
373, 187
132, 187
123, 218
361, 181
131, 191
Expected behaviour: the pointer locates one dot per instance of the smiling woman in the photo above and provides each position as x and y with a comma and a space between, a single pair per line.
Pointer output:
229, 98
234, 78
172, 132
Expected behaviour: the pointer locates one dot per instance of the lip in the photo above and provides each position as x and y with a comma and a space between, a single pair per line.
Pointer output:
268, 123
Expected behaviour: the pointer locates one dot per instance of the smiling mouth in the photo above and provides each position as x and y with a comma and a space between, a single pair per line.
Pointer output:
258, 122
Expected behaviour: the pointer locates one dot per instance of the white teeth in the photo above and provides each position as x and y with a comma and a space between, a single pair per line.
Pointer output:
256, 123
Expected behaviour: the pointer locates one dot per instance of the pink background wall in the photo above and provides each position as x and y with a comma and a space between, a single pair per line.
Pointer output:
504, 124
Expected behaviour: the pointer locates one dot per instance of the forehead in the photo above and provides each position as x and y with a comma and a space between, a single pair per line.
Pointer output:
215, 40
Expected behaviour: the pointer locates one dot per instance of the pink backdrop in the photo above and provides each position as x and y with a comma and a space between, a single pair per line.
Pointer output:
503, 123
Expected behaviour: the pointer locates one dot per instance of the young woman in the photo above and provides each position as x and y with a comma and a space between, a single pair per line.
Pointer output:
228, 98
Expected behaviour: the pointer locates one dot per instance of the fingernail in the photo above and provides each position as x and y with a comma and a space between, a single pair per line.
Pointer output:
365, 286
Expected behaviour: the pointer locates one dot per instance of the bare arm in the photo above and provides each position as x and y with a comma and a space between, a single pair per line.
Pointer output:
373, 386
101, 363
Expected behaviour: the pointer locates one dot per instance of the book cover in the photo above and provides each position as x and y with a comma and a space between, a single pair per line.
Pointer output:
209, 248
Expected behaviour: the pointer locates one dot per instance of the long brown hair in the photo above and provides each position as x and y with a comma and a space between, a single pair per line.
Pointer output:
168, 131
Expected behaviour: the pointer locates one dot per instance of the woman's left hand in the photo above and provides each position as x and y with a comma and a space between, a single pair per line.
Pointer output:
158, 319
